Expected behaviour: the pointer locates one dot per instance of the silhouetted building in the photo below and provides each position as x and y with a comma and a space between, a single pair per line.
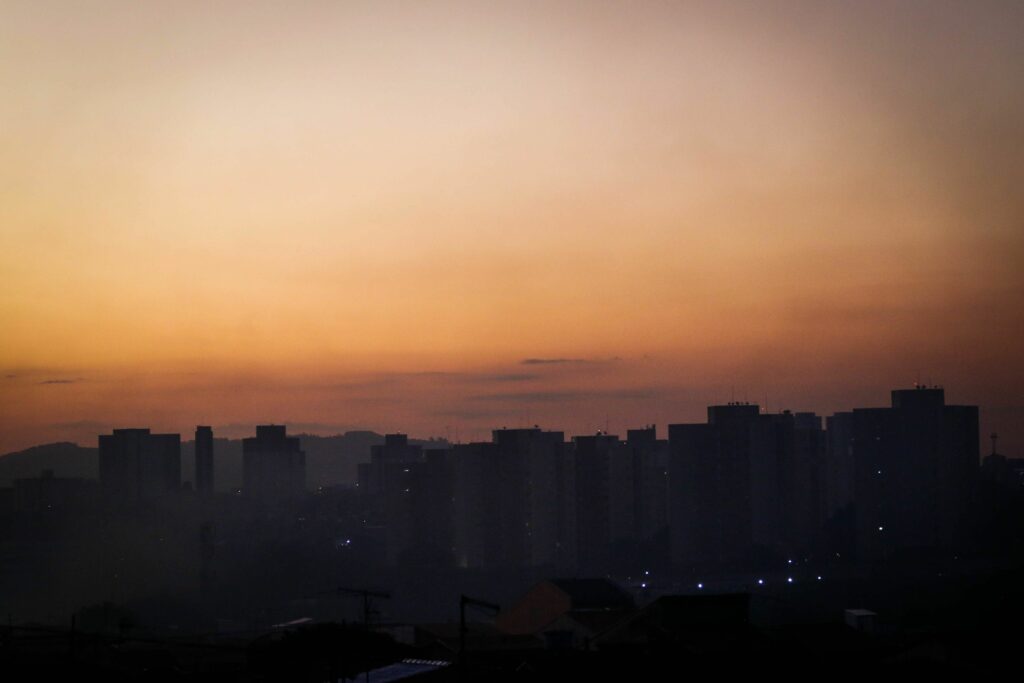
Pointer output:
709, 487
136, 465
598, 499
475, 476
431, 537
273, 465
623, 494
787, 453
408, 493
1003, 472
1007, 473
514, 501
387, 461
48, 492
745, 484
204, 460
532, 521
916, 469
384, 473
650, 457
839, 464
385, 484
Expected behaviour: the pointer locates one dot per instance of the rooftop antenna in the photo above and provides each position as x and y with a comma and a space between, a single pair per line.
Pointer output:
995, 437
367, 595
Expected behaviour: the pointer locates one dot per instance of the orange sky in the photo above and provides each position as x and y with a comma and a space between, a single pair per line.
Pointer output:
345, 215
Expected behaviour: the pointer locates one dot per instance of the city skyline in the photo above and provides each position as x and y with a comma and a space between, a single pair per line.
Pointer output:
654, 542
483, 341
451, 433
713, 493
444, 217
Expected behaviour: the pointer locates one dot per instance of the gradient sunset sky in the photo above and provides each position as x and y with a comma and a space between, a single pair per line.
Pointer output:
444, 217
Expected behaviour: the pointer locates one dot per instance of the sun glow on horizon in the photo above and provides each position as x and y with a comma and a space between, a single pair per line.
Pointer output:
372, 214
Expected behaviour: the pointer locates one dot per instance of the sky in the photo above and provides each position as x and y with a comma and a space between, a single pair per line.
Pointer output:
446, 217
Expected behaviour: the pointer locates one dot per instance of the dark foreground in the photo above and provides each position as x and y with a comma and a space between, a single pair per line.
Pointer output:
966, 626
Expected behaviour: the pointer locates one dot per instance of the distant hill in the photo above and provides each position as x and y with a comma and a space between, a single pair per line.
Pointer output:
65, 459
330, 460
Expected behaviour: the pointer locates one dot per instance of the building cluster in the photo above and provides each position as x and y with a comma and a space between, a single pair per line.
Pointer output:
136, 465
721, 494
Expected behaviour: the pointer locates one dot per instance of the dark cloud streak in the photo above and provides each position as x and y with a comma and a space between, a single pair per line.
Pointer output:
568, 361
565, 396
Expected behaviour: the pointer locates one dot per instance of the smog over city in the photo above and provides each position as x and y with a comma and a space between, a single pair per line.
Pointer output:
509, 340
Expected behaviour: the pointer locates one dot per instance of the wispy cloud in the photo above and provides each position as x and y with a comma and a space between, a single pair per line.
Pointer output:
567, 361
564, 396
59, 381
399, 380
550, 361
470, 413
506, 377
94, 425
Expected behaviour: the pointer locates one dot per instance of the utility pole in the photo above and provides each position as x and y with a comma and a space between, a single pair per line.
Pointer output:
367, 596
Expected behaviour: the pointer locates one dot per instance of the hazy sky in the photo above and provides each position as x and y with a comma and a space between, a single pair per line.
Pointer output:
386, 215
